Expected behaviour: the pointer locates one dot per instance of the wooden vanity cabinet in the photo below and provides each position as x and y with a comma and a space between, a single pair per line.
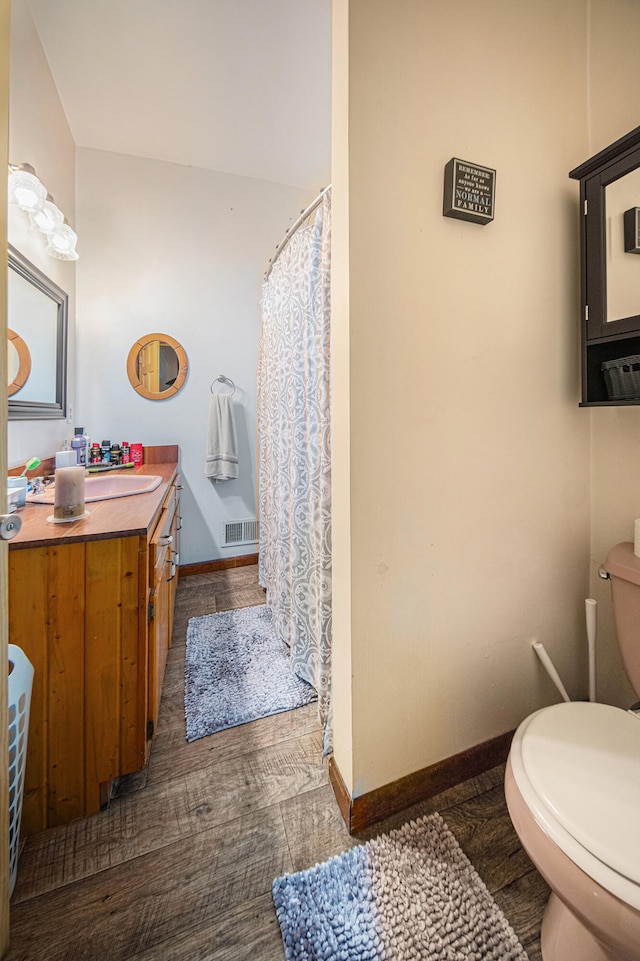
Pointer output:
94, 618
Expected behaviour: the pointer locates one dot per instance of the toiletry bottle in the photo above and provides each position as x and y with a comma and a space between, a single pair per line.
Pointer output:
115, 454
125, 453
105, 451
79, 444
95, 453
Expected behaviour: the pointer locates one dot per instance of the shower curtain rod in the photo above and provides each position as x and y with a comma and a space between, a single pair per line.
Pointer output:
291, 231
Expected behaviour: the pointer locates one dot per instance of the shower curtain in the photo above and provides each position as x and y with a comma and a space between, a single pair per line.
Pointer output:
295, 453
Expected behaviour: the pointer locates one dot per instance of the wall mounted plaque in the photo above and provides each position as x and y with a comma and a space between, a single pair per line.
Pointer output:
469, 191
632, 231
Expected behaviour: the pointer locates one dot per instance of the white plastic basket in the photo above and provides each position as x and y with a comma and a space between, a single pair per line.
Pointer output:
20, 684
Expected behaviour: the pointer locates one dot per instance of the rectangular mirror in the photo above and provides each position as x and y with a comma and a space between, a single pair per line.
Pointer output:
622, 271
37, 318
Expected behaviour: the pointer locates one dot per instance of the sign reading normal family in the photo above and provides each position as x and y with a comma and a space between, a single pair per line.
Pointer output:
469, 191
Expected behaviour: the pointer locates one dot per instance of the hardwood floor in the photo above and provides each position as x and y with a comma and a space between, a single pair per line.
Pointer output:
180, 866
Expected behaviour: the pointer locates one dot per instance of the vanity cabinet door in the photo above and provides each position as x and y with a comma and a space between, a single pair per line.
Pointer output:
75, 612
162, 584
175, 557
115, 663
159, 607
46, 620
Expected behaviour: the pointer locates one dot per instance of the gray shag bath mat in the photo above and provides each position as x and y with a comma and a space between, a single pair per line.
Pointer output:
237, 670
410, 895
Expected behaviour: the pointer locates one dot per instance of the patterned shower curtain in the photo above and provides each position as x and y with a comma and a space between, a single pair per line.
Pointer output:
295, 453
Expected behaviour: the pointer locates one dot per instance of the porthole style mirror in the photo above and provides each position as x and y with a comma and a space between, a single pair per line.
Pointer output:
157, 366
18, 362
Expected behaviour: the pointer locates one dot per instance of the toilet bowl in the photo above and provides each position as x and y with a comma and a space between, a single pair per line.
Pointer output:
573, 792
572, 787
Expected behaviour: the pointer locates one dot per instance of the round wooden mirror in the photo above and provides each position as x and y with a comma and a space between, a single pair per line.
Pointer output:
18, 362
157, 366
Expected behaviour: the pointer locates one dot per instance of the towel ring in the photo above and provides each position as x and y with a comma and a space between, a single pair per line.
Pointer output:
223, 380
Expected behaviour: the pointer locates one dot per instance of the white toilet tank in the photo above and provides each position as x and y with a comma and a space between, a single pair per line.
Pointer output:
623, 568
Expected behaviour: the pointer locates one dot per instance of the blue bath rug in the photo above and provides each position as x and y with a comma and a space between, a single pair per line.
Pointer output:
407, 895
237, 670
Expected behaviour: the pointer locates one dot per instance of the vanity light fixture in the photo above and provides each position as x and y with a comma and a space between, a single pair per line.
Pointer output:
27, 191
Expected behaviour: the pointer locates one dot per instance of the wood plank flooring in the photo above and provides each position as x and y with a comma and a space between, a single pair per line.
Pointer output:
180, 866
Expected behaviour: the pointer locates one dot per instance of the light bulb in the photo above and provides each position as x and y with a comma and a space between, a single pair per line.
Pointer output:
62, 243
26, 191
49, 218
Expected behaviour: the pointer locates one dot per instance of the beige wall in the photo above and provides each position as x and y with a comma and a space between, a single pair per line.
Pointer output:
614, 97
340, 359
39, 134
615, 444
466, 473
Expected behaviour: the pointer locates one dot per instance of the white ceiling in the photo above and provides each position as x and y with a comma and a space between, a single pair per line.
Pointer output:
239, 86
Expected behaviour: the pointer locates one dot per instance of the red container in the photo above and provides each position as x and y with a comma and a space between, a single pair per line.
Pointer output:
136, 454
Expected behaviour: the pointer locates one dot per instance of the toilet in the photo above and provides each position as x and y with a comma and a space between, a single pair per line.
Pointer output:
572, 786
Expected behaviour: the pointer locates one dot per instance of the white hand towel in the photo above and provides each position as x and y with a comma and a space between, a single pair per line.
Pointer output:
222, 441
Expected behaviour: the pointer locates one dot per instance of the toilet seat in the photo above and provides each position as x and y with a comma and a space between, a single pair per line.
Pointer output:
577, 767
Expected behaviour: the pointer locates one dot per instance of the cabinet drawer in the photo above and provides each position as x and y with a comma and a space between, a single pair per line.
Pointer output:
164, 537
160, 543
171, 502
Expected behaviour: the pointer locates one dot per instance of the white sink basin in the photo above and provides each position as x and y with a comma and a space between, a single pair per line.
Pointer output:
101, 487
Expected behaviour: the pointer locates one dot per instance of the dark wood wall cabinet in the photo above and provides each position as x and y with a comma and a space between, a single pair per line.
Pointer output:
610, 273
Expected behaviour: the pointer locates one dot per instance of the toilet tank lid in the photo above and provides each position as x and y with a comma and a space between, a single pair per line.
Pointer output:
622, 562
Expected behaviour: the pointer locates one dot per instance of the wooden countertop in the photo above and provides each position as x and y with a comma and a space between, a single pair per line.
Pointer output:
115, 517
